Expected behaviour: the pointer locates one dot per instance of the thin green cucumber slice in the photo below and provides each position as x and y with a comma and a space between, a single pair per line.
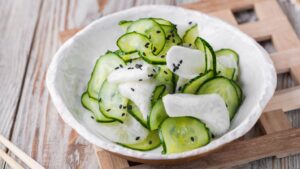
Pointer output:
238, 90
104, 65
193, 85
172, 39
190, 36
130, 56
132, 42
157, 115
162, 21
152, 30
111, 102
125, 24
135, 112
151, 142
165, 77
227, 63
226, 90
93, 106
179, 134
157, 93
204, 46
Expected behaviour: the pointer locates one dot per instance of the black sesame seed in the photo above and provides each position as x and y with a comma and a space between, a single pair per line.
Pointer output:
140, 80
226, 105
178, 43
116, 68
151, 75
173, 35
193, 139
190, 45
92, 117
180, 61
150, 142
149, 36
138, 66
165, 72
121, 66
173, 41
144, 54
154, 49
129, 107
120, 106
100, 100
168, 38
154, 70
132, 89
179, 89
137, 138
157, 31
190, 22
147, 44
124, 107
123, 114
108, 110
162, 56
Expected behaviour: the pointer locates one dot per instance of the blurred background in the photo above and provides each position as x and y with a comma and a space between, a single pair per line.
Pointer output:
31, 31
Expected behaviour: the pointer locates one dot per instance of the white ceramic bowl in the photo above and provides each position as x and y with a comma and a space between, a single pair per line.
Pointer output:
72, 65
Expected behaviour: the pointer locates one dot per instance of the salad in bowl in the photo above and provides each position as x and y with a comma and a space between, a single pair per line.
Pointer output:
163, 85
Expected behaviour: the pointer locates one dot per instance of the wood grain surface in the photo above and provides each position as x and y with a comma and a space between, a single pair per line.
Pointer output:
28, 40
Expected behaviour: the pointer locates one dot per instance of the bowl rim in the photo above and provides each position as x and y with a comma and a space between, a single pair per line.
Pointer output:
240, 130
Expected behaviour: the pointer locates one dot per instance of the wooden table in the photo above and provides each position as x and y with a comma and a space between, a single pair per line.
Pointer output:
28, 40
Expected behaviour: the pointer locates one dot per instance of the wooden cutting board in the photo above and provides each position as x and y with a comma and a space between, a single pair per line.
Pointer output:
279, 138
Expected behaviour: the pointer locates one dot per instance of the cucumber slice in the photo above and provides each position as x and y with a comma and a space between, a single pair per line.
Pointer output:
185, 62
93, 106
238, 90
132, 42
193, 85
162, 21
139, 93
227, 63
179, 134
104, 65
172, 39
165, 77
111, 102
135, 71
151, 142
190, 36
125, 24
152, 30
210, 56
128, 132
130, 56
157, 93
136, 113
157, 115
209, 108
226, 90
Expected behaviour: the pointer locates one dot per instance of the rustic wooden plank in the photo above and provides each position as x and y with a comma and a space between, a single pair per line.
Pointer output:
225, 15
110, 161
39, 131
286, 99
274, 121
15, 45
295, 72
241, 152
284, 60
